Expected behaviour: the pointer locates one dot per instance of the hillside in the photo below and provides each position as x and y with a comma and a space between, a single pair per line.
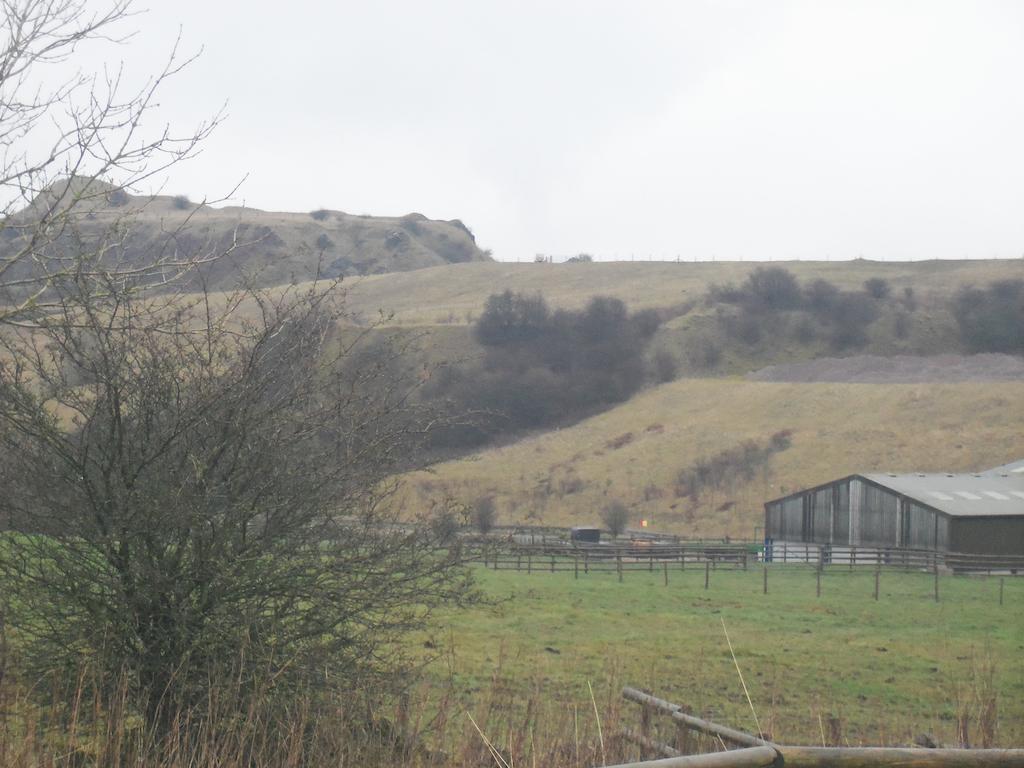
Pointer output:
636, 452
277, 248
456, 293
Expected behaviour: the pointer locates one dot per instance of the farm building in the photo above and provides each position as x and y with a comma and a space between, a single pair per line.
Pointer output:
981, 513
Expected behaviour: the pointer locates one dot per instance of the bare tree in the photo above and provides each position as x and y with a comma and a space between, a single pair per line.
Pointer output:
71, 146
200, 490
615, 517
484, 514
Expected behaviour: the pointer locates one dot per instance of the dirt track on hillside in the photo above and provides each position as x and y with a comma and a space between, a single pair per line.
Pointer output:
871, 369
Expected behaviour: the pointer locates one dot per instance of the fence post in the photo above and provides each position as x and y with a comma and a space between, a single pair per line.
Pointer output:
618, 564
817, 573
651, 564
878, 575
936, 582
682, 559
552, 563
529, 562
707, 572
764, 569
519, 561
575, 567
1001, 590
666, 572
586, 562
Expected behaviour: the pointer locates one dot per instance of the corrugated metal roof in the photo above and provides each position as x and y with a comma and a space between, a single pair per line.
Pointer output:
1013, 468
984, 494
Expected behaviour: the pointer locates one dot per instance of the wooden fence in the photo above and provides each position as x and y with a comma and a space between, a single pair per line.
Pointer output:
757, 752
646, 556
586, 560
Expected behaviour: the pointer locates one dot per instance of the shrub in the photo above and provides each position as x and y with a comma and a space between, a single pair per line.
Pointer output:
512, 318
581, 258
991, 319
747, 328
666, 368
320, 214
181, 202
774, 288
820, 296
540, 367
323, 242
851, 315
877, 288
806, 331
703, 353
615, 517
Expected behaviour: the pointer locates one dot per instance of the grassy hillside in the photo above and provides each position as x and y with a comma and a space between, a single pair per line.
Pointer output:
458, 291
635, 452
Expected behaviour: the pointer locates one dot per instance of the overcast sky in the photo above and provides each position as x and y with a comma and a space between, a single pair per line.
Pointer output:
719, 129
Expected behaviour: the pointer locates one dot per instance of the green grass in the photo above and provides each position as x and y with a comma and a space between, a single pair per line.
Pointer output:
889, 670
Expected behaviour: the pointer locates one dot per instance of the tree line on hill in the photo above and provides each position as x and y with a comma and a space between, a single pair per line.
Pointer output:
843, 316
989, 319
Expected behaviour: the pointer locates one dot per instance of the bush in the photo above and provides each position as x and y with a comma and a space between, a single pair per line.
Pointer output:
323, 242
851, 316
581, 258
806, 331
512, 318
320, 214
747, 327
820, 296
615, 518
991, 319
774, 288
540, 367
181, 202
877, 288
666, 368
702, 352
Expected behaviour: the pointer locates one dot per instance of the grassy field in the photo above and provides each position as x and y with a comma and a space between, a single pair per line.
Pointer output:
634, 452
875, 672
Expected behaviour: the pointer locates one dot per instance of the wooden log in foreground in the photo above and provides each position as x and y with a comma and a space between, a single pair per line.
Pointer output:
754, 757
883, 757
723, 732
841, 757
649, 744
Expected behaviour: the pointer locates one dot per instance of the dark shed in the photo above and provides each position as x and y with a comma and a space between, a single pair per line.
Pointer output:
585, 535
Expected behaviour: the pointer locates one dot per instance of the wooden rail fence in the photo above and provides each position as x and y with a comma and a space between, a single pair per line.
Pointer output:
643, 556
756, 752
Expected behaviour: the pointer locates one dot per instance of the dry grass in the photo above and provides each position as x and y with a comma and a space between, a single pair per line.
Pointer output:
565, 477
421, 297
